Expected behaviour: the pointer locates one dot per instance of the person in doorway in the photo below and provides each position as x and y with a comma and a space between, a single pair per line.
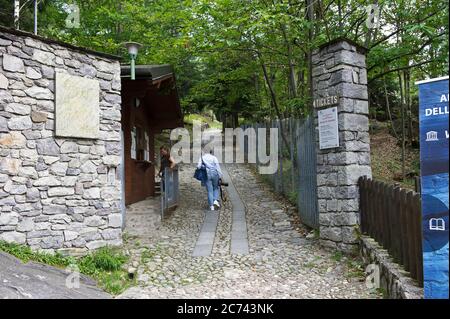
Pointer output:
213, 173
166, 161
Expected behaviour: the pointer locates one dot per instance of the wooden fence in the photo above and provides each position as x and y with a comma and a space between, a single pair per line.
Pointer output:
392, 216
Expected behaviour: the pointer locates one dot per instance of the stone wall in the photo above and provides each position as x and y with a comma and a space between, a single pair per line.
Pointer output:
393, 280
339, 69
56, 193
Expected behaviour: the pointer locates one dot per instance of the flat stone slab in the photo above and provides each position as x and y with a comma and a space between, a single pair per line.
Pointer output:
239, 227
282, 224
205, 241
76, 106
201, 241
209, 227
202, 250
38, 281
207, 235
239, 237
239, 246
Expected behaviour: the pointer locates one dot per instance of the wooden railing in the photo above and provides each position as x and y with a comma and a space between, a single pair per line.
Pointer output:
392, 216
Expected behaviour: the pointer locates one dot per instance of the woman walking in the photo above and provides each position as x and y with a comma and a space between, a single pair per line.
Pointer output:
213, 174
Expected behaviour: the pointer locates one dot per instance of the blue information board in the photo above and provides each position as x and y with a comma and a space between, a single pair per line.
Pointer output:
433, 118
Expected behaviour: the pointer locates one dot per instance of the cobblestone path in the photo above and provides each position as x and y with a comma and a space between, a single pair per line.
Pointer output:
282, 262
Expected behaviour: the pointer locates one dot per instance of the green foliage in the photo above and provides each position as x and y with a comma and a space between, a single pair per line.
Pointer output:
316, 233
382, 292
337, 256
293, 197
105, 264
212, 123
104, 259
219, 48
25, 254
355, 269
115, 282
147, 255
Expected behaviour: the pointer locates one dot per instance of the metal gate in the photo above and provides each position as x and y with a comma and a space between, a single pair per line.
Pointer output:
170, 192
307, 173
295, 177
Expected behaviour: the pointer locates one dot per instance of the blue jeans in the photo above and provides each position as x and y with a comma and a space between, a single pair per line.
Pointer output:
212, 187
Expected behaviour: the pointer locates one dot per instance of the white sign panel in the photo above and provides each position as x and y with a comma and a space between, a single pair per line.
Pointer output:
328, 128
77, 106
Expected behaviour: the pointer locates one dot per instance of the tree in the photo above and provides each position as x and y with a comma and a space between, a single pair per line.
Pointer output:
250, 59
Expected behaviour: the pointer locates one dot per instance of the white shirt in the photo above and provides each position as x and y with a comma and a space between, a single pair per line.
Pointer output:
211, 163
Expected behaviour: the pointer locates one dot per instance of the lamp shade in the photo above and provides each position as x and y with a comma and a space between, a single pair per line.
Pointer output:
132, 47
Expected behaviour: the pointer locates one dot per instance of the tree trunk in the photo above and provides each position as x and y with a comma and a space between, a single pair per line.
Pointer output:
235, 117
340, 14
310, 15
388, 109
16, 14
292, 83
402, 103
273, 98
408, 104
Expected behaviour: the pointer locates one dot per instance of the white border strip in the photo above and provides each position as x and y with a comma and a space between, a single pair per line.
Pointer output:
432, 80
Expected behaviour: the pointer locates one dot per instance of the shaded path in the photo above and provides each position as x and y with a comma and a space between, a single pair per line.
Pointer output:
281, 262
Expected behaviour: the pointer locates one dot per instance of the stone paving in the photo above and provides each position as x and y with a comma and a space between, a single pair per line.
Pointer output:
284, 260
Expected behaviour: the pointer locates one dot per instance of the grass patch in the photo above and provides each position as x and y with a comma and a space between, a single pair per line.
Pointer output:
190, 118
25, 254
147, 255
292, 198
355, 268
382, 292
337, 256
105, 265
103, 259
354, 265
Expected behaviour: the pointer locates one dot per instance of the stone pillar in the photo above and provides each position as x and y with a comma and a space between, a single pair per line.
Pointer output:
339, 70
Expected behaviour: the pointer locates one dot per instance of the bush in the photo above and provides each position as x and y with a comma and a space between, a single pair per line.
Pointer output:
103, 259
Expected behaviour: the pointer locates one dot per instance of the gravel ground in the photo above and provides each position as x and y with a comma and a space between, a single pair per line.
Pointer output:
285, 260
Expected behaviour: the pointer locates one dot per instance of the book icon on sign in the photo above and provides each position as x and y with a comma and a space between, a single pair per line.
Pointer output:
437, 224
432, 136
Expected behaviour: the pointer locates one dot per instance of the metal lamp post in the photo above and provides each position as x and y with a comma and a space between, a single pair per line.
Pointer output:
133, 48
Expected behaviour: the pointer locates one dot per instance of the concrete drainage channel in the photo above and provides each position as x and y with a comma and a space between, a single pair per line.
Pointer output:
239, 236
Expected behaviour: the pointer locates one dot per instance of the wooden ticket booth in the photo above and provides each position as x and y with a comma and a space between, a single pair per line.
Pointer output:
150, 104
